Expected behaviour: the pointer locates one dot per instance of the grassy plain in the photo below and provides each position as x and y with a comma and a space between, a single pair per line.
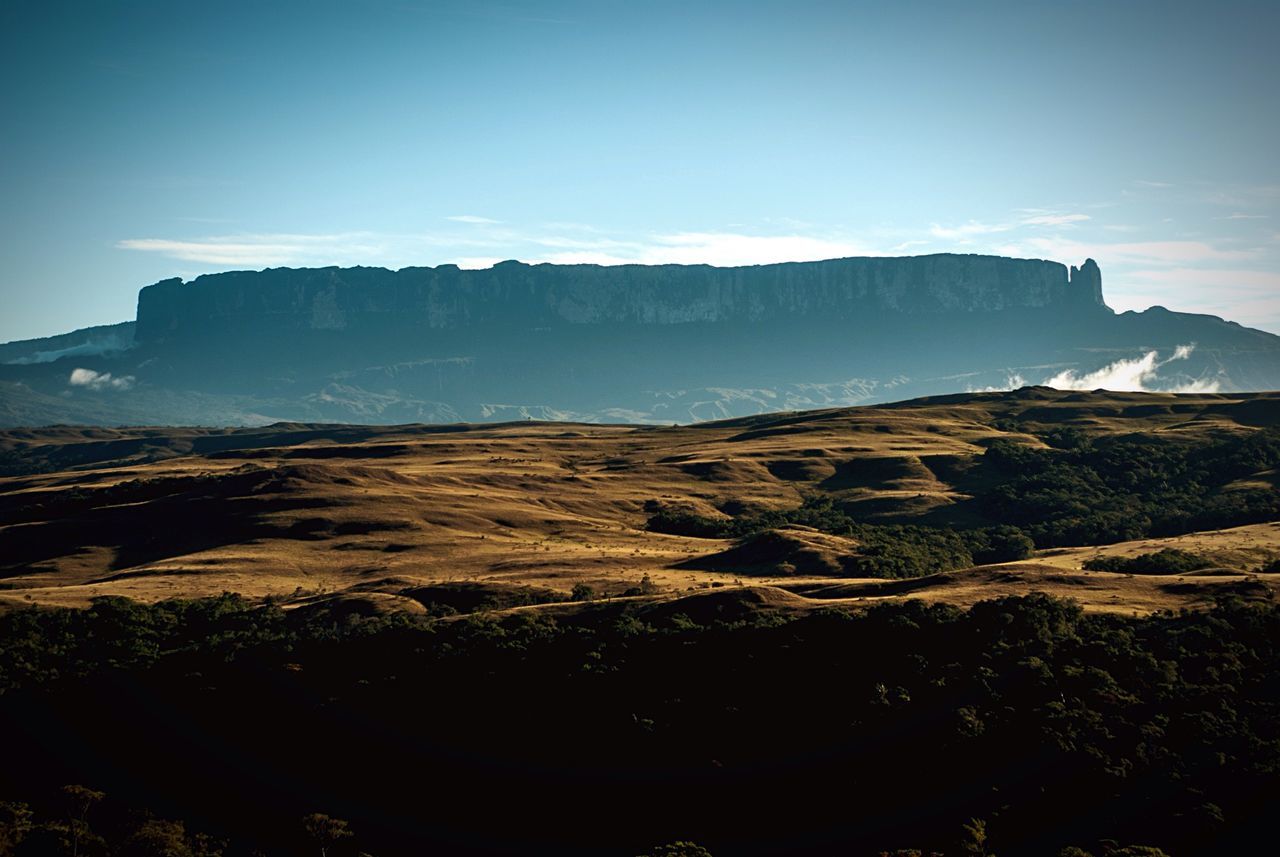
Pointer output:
381, 518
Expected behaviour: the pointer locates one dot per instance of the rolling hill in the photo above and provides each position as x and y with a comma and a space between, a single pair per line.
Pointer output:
805, 506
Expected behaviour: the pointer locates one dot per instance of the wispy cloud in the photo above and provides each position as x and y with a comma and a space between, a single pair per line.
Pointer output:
473, 218
965, 233
1194, 274
1134, 374
712, 248
1055, 219
262, 250
1138, 374
92, 347
1011, 382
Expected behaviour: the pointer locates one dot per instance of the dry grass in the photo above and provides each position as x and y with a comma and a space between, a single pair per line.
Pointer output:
298, 512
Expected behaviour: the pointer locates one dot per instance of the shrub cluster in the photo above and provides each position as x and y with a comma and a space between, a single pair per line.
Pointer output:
1164, 561
890, 551
1128, 487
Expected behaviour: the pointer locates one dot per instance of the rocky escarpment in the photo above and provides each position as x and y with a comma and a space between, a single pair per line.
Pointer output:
447, 297
628, 343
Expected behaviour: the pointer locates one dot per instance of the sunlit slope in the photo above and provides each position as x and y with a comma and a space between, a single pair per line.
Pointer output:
411, 517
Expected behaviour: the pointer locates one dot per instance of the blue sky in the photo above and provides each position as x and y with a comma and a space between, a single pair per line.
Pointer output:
144, 140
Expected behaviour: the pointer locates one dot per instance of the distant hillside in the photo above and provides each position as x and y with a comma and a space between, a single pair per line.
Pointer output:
629, 343
909, 495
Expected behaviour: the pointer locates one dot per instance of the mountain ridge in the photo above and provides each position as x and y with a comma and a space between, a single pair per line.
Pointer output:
447, 296
629, 343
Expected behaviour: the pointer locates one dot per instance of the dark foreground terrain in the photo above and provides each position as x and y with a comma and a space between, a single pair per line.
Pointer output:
1021, 624
713, 719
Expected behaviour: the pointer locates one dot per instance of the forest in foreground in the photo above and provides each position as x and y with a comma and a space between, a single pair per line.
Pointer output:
1020, 726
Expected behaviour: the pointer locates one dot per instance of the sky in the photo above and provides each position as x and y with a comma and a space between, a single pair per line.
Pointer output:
147, 140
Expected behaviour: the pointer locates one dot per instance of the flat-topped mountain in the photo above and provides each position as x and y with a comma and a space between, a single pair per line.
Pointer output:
627, 343
511, 292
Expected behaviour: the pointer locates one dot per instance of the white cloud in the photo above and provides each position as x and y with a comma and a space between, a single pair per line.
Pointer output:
477, 262
1012, 382
92, 380
718, 248
472, 218
905, 246
91, 347
709, 248
263, 250
966, 231
1137, 374
1034, 217
585, 257
1055, 219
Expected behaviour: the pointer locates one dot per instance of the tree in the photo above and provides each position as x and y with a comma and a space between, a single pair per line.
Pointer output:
15, 822
80, 799
158, 838
326, 831
974, 840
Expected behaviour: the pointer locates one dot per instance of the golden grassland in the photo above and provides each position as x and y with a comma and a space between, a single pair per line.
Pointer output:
369, 514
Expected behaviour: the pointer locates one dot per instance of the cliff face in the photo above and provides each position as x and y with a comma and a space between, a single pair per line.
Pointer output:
629, 343
552, 295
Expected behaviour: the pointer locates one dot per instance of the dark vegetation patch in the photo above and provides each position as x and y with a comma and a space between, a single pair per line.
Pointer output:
445, 599
1118, 488
859, 732
895, 550
1165, 561
1082, 490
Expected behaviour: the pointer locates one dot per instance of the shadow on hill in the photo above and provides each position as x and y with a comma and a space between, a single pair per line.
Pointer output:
783, 551
145, 520
883, 472
472, 597
725, 605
